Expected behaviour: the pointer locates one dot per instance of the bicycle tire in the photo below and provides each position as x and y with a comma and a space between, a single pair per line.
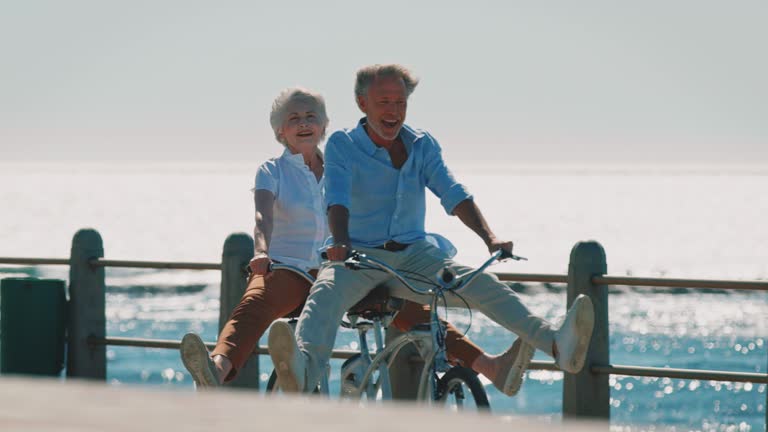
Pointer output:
453, 382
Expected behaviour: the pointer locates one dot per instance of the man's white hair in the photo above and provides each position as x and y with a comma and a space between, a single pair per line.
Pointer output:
296, 94
368, 74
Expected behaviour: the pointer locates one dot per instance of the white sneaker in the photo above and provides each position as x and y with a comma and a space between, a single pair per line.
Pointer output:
287, 357
572, 339
198, 362
516, 358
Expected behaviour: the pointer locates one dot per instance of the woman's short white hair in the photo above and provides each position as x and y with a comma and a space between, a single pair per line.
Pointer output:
368, 74
295, 94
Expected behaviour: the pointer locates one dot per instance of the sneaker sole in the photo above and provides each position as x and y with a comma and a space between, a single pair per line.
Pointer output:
194, 355
515, 378
585, 323
282, 349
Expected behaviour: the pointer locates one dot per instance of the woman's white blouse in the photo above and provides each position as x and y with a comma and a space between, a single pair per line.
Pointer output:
299, 221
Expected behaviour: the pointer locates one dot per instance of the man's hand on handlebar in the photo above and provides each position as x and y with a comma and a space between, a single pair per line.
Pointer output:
338, 252
505, 246
506, 250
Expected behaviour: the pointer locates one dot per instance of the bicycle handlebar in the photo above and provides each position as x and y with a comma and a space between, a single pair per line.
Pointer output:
450, 282
510, 255
504, 255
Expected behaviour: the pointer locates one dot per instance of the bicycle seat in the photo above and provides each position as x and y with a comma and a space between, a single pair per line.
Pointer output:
376, 304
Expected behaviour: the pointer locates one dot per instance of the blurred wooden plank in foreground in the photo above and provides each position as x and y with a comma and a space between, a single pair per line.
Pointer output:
33, 405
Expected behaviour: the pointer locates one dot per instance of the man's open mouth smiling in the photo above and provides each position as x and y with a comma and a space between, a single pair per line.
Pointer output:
390, 123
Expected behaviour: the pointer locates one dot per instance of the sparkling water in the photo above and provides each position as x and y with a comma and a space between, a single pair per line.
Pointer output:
691, 223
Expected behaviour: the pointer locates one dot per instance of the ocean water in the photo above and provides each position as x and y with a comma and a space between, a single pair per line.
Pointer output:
671, 222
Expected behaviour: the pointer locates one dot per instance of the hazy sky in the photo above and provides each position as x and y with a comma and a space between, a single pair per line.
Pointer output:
521, 82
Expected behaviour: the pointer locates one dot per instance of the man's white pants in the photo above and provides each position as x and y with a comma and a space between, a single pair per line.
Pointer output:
337, 289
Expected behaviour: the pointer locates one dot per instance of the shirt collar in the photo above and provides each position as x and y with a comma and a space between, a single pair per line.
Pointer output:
407, 134
296, 159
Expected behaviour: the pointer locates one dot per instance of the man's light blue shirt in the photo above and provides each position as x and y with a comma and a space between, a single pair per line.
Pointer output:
385, 203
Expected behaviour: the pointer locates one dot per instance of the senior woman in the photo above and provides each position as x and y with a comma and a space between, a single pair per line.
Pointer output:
290, 228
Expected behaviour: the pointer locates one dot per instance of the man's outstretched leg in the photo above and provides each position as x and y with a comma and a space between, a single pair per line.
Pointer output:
567, 344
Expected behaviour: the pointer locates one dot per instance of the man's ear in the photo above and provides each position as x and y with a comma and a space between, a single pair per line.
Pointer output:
361, 103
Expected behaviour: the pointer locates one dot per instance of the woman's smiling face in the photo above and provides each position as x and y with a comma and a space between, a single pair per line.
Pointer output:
302, 127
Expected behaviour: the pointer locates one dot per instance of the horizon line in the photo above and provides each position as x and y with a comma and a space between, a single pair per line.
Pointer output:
487, 167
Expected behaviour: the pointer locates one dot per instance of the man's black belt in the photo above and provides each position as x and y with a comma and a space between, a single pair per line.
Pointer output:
393, 246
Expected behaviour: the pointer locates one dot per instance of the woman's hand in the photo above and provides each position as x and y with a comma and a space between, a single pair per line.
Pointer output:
259, 264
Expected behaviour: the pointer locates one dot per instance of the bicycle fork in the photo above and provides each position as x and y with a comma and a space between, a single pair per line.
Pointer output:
440, 360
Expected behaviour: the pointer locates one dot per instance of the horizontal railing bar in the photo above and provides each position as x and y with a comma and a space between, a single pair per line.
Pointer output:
510, 277
174, 344
543, 365
534, 365
698, 374
35, 261
136, 342
261, 350
532, 277
156, 264
680, 283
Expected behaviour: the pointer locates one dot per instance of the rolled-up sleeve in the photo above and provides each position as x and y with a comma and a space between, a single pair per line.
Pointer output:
267, 177
439, 178
337, 171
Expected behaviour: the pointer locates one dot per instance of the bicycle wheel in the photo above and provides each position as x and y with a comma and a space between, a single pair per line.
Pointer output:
461, 389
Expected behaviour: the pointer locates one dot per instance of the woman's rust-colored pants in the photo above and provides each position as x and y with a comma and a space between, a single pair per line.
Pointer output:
283, 292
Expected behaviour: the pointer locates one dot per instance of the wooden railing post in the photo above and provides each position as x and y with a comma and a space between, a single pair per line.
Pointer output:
86, 312
238, 251
586, 394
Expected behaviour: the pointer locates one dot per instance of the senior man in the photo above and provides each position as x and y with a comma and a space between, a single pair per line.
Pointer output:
376, 175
